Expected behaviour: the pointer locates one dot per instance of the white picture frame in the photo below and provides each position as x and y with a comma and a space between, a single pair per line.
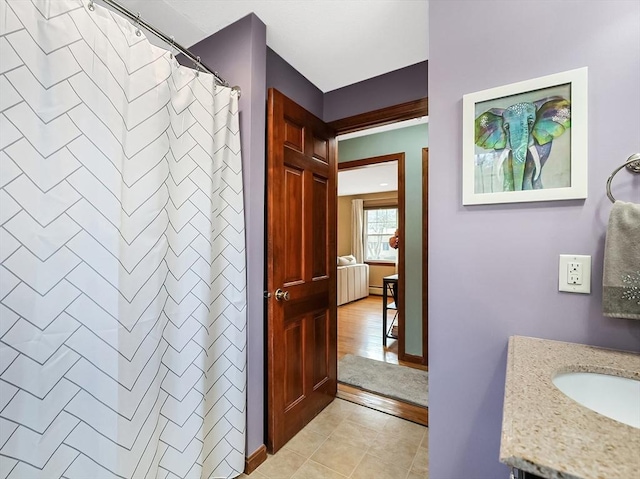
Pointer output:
497, 168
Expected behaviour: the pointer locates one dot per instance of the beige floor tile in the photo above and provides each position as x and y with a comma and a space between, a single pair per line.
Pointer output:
355, 434
340, 407
254, 475
415, 475
282, 465
339, 455
369, 418
421, 461
399, 427
394, 449
324, 423
425, 440
305, 443
372, 467
313, 470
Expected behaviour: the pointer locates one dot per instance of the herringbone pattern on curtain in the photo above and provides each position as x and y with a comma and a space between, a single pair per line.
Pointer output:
122, 258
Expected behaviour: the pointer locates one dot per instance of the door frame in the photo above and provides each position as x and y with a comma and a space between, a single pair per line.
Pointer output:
375, 160
425, 255
384, 116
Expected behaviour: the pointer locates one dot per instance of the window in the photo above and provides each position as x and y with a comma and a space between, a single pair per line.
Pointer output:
379, 225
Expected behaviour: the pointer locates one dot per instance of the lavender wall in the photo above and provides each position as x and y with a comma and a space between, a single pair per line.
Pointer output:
399, 86
493, 269
239, 53
286, 79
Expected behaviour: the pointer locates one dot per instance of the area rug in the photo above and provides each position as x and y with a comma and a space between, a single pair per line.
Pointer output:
398, 382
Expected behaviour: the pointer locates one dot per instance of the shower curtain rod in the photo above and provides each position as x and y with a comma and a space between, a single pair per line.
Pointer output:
135, 17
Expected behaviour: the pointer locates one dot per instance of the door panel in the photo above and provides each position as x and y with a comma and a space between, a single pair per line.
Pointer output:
301, 240
319, 228
294, 363
293, 135
320, 149
321, 358
293, 226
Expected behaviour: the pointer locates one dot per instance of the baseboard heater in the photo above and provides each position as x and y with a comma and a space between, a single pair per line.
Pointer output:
376, 290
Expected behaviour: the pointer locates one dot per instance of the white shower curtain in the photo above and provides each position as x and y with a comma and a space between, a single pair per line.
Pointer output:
122, 260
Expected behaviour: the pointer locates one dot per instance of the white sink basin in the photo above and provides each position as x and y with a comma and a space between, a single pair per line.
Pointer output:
612, 396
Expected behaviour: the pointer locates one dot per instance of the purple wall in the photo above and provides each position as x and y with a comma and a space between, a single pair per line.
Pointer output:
286, 79
508, 254
239, 53
399, 86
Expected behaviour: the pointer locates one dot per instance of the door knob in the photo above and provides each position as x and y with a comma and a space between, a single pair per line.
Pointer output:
281, 295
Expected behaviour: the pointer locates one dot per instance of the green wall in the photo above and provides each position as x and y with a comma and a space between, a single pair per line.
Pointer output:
409, 140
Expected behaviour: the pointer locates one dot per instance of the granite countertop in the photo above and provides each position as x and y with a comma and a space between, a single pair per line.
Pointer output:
547, 433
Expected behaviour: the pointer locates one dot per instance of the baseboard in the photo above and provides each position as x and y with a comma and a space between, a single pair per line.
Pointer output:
375, 290
412, 358
252, 462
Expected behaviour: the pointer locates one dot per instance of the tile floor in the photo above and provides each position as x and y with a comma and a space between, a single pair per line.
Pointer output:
348, 440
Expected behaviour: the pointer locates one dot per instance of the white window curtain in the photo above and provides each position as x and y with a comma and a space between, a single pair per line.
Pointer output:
357, 229
122, 294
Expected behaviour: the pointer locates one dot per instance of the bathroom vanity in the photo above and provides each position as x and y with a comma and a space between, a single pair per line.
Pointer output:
547, 434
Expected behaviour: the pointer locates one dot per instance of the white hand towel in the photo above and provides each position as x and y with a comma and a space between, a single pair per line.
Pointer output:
621, 279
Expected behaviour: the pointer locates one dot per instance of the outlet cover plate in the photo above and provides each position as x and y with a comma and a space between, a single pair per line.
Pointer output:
563, 270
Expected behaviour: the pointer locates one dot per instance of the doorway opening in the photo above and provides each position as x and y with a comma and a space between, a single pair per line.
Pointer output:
361, 320
370, 271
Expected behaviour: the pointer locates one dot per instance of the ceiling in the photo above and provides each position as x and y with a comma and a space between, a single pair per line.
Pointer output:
368, 179
332, 43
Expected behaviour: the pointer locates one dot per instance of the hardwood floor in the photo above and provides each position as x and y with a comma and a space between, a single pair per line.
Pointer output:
360, 334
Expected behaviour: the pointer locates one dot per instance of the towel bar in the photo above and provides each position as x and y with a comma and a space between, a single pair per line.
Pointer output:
632, 164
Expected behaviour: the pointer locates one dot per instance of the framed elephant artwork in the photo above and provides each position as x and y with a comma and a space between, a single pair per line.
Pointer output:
526, 141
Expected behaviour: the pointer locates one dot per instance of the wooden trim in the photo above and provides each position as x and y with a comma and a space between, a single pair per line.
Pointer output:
401, 261
374, 160
399, 157
383, 116
273, 198
425, 255
410, 412
412, 358
252, 462
381, 206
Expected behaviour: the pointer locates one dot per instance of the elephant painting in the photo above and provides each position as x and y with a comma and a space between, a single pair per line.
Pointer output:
521, 137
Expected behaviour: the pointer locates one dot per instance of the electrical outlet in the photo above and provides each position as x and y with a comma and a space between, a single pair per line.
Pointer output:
574, 273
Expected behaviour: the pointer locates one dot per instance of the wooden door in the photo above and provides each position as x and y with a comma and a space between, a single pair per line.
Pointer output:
301, 263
